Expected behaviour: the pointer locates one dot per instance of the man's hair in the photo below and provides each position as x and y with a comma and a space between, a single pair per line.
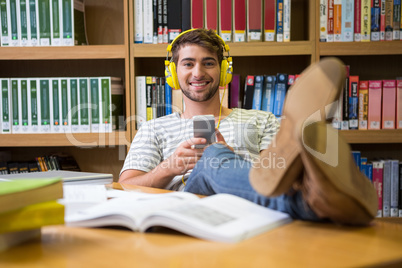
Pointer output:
202, 37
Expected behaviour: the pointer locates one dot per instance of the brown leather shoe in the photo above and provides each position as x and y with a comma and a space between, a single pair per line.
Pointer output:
333, 186
280, 165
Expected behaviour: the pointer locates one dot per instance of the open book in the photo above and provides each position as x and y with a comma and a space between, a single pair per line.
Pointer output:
221, 217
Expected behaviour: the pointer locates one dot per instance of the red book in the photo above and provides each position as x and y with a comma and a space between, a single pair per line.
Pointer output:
399, 104
197, 14
239, 20
357, 21
225, 20
330, 26
254, 20
388, 104
374, 107
269, 20
211, 14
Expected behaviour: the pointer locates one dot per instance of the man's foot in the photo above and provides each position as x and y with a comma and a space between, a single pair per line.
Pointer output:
311, 96
332, 185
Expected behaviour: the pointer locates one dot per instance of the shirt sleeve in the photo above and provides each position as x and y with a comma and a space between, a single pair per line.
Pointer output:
271, 127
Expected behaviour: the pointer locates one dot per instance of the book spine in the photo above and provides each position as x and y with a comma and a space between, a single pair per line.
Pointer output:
14, 23
386, 191
44, 22
268, 95
155, 20
323, 20
165, 35
347, 31
33, 22
375, 20
279, 21
55, 26
67, 25
74, 108
345, 102
106, 113
197, 14
382, 20
5, 106
374, 106
357, 20
248, 92
84, 104
174, 19
286, 20
160, 22
396, 20
211, 14
168, 99
389, 21
270, 20
148, 22
337, 20
95, 104
186, 15
330, 25
25, 105
140, 100
399, 104
337, 120
365, 20
34, 111
138, 22
388, 104
353, 102
400, 189
280, 92
15, 113
363, 104
225, 20
254, 20
5, 23
154, 98
239, 20
234, 94
44, 104
257, 98
55, 106
24, 23
378, 167
65, 105
394, 188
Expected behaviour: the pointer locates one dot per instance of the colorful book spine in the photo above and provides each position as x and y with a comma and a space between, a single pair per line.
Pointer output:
374, 106
382, 20
258, 87
269, 20
280, 93
323, 20
330, 25
388, 104
268, 93
286, 20
365, 20
239, 20
279, 21
168, 99
337, 20
363, 104
389, 21
375, 20
378, 168
347, 31
225, 20
357, 20
353, 102
396, 20
386, 189
399, 104
254, 20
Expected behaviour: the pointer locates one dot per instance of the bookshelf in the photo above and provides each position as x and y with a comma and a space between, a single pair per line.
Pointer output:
112, 52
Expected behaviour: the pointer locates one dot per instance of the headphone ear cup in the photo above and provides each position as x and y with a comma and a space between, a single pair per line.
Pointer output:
171, 78
226, 74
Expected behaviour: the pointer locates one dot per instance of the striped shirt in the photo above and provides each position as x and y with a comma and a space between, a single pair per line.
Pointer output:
247, 131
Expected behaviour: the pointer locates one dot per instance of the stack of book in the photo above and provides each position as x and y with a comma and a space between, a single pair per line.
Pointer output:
160, 21
25, 206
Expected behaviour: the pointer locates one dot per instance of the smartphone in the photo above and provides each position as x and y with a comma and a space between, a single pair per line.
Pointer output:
204, 127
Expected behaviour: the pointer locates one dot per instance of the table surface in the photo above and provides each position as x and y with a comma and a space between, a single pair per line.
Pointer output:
301, 244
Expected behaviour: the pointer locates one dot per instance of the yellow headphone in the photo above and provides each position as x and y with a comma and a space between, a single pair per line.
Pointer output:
170, 66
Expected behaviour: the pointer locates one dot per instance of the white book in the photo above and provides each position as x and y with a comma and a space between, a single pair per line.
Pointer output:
14, 22
15, 114
6, 106
221, 217
55, 23
323, 20
138, 22
148, 22
65, 102
25, 104
286, 20
106, 104
67, 22
140, 100
33, 23
44, 105
94, 88
5, 23
74, 110
33, 87
347, 32
84, 106
24, 23
55, 106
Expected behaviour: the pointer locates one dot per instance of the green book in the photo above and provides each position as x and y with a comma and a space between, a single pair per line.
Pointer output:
15, 122
24, 23
106, 113
67, 13
74, 108
95, 104
80, 35
84, 120
5, 23
117, 92
15, 36
33, 24
5, 106
55, 115
55, 23
24, 104
18, 193
65, 105
44, 22
34, 112
44, 97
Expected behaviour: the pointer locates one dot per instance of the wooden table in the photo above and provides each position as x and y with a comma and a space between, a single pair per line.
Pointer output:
298, 244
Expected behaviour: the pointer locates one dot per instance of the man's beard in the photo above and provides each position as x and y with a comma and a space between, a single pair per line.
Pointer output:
202, 98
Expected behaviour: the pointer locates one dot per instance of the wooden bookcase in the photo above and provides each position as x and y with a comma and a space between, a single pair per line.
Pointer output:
110, 28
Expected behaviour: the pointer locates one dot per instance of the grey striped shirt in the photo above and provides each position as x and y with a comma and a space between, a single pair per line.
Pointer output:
247, 131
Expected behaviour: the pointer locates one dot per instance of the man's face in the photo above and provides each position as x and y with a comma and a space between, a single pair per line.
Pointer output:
198, 72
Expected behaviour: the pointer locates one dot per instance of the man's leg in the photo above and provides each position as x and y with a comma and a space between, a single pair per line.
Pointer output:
222, 171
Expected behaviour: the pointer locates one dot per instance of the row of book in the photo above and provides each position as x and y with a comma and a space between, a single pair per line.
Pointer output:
42, 23
360, 20
62, 105
386, 176
160, 21
369, 104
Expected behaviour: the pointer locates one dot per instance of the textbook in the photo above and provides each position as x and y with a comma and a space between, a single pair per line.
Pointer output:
220, 217
16, 194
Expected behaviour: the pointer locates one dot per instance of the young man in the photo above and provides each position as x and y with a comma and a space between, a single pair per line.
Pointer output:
308, 171
161, 154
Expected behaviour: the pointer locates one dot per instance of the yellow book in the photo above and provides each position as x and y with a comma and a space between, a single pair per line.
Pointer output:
32, 217
18, 193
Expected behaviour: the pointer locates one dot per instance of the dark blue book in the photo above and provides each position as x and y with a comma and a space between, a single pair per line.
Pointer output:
280, 93
268, 93
258, 87
168, 99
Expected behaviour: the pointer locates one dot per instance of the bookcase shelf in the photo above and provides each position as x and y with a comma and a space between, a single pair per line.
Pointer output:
373, 136
360, 48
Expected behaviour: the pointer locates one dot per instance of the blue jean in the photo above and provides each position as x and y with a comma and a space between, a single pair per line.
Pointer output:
222, 171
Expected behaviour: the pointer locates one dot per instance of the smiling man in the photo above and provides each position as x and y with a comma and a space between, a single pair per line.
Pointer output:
161, 153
